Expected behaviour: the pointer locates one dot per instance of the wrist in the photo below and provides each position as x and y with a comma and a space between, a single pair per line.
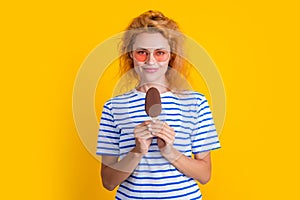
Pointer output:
137, 152
170, 153
128, 163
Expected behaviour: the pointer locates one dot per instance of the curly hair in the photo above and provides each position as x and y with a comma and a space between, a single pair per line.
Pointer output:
155, 22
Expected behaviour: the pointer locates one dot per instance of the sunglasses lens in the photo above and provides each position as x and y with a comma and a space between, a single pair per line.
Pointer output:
143, 55
140, 55
161, 55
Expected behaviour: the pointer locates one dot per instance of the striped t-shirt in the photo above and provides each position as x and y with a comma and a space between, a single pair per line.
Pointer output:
187, 112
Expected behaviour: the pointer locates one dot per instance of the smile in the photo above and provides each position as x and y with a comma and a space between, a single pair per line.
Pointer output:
151, 70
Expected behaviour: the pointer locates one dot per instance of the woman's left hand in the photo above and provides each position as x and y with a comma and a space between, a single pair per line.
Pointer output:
163, 131
165, 136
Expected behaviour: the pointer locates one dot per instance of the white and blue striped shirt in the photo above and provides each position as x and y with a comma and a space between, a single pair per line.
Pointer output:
187, 112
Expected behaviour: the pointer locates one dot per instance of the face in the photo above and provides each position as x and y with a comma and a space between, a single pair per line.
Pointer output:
151, 55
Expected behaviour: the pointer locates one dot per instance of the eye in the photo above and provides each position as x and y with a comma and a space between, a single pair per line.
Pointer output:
160, 53
142, 52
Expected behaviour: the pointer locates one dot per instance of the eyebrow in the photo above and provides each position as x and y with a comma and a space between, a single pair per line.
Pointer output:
141, 48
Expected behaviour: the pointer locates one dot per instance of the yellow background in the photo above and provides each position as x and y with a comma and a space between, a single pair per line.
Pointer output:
255, 45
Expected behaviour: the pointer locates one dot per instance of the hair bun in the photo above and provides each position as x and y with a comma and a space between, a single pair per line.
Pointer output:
155, 15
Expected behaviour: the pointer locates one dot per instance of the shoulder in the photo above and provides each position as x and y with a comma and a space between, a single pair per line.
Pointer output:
119, 99
190, 95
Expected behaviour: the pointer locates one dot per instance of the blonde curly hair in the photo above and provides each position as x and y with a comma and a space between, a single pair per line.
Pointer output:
155, 22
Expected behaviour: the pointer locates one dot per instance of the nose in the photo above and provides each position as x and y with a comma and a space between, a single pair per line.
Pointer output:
151, 59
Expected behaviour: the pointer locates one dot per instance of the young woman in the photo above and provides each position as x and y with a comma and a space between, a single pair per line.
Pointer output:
152, 159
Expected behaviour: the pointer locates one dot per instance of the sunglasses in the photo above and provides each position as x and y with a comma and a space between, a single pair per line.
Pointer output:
143, 55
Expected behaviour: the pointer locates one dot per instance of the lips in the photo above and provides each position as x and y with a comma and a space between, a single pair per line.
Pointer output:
151, 70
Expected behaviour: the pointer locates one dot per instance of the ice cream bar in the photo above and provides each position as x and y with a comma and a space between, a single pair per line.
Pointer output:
153, 103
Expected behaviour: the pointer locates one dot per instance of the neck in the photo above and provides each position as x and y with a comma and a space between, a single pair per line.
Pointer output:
143, 87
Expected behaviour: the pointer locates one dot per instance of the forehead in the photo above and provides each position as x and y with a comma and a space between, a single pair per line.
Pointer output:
151, 41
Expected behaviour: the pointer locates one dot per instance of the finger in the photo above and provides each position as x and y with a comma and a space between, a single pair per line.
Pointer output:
171, 137
161, 125
169, 132
148, 136
140, 129
156, 126
164, 132
141, 133
162, 128
143, 123
145, 136
157, 123
164, 137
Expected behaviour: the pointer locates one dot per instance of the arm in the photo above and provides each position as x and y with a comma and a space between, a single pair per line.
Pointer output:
114, 172
198, 168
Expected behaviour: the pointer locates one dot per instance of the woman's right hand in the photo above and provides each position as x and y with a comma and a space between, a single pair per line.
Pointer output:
143, 138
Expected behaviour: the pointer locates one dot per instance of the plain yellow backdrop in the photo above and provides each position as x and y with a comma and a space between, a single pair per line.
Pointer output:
255, 45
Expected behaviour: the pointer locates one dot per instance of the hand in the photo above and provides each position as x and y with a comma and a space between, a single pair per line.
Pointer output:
143, 138
164, 133
165, 139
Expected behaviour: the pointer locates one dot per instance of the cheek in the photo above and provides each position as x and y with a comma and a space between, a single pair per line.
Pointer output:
138, 68
164, 65
137, 65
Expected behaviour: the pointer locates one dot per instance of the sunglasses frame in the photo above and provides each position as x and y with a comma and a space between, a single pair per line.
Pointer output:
150, 52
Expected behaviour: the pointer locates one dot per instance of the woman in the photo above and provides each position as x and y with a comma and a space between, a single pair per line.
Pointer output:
152, 159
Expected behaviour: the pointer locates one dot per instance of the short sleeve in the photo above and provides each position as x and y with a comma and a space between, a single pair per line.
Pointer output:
109, 134
204, 137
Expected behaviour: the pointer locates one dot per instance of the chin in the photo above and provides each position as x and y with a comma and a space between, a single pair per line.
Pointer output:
154, 80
